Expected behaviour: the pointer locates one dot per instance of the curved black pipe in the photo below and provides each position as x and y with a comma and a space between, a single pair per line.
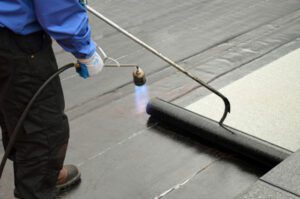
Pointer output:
210, 131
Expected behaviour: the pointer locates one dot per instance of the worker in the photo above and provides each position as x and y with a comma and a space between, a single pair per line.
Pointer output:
26, 61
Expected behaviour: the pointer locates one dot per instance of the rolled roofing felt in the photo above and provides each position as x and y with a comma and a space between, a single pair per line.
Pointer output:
222, 136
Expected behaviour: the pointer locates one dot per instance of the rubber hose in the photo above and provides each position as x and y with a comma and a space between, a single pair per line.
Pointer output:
14, 135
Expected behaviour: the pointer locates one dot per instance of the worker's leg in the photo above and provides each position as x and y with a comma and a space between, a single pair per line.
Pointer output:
3, 130
41, 146
5, 75
4, 79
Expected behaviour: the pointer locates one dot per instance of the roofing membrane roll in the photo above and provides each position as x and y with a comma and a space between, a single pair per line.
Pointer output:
211, 131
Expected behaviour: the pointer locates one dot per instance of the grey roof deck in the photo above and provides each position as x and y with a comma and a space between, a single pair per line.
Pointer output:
120, 153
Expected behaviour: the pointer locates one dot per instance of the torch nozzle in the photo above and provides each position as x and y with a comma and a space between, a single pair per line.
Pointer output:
139, 78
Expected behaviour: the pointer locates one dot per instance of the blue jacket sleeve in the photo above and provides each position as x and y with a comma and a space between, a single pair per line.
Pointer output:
67, 22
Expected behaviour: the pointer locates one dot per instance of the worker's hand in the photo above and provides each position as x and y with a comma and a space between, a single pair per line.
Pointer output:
90, 67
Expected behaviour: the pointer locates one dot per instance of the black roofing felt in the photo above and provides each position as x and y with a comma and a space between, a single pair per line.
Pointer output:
120, 154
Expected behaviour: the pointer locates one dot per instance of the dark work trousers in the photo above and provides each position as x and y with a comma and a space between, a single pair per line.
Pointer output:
38, 155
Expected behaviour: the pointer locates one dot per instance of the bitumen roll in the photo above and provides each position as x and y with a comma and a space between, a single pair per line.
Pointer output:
212, 132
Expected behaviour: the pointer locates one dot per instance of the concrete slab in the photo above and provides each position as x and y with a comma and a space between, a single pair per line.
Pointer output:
263, 190
286, 175
264, 103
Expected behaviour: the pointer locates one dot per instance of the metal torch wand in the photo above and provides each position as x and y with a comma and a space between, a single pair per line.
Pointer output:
164, 58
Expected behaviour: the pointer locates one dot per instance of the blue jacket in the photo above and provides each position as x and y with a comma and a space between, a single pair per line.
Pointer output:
64, 20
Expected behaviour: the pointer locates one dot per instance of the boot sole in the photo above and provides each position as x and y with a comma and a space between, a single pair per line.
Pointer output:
69, 184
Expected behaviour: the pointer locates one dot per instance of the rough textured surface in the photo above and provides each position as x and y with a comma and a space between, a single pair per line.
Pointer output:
262, 190
119, 154
286, 175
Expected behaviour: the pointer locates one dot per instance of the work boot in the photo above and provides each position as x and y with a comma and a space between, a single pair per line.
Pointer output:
69, 175
16, 194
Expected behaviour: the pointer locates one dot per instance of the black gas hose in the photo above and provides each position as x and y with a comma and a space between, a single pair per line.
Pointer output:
14, 135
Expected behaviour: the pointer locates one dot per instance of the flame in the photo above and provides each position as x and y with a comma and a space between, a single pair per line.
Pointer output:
141, 98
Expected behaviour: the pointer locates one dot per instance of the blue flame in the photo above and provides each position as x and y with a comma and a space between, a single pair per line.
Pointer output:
141, 98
